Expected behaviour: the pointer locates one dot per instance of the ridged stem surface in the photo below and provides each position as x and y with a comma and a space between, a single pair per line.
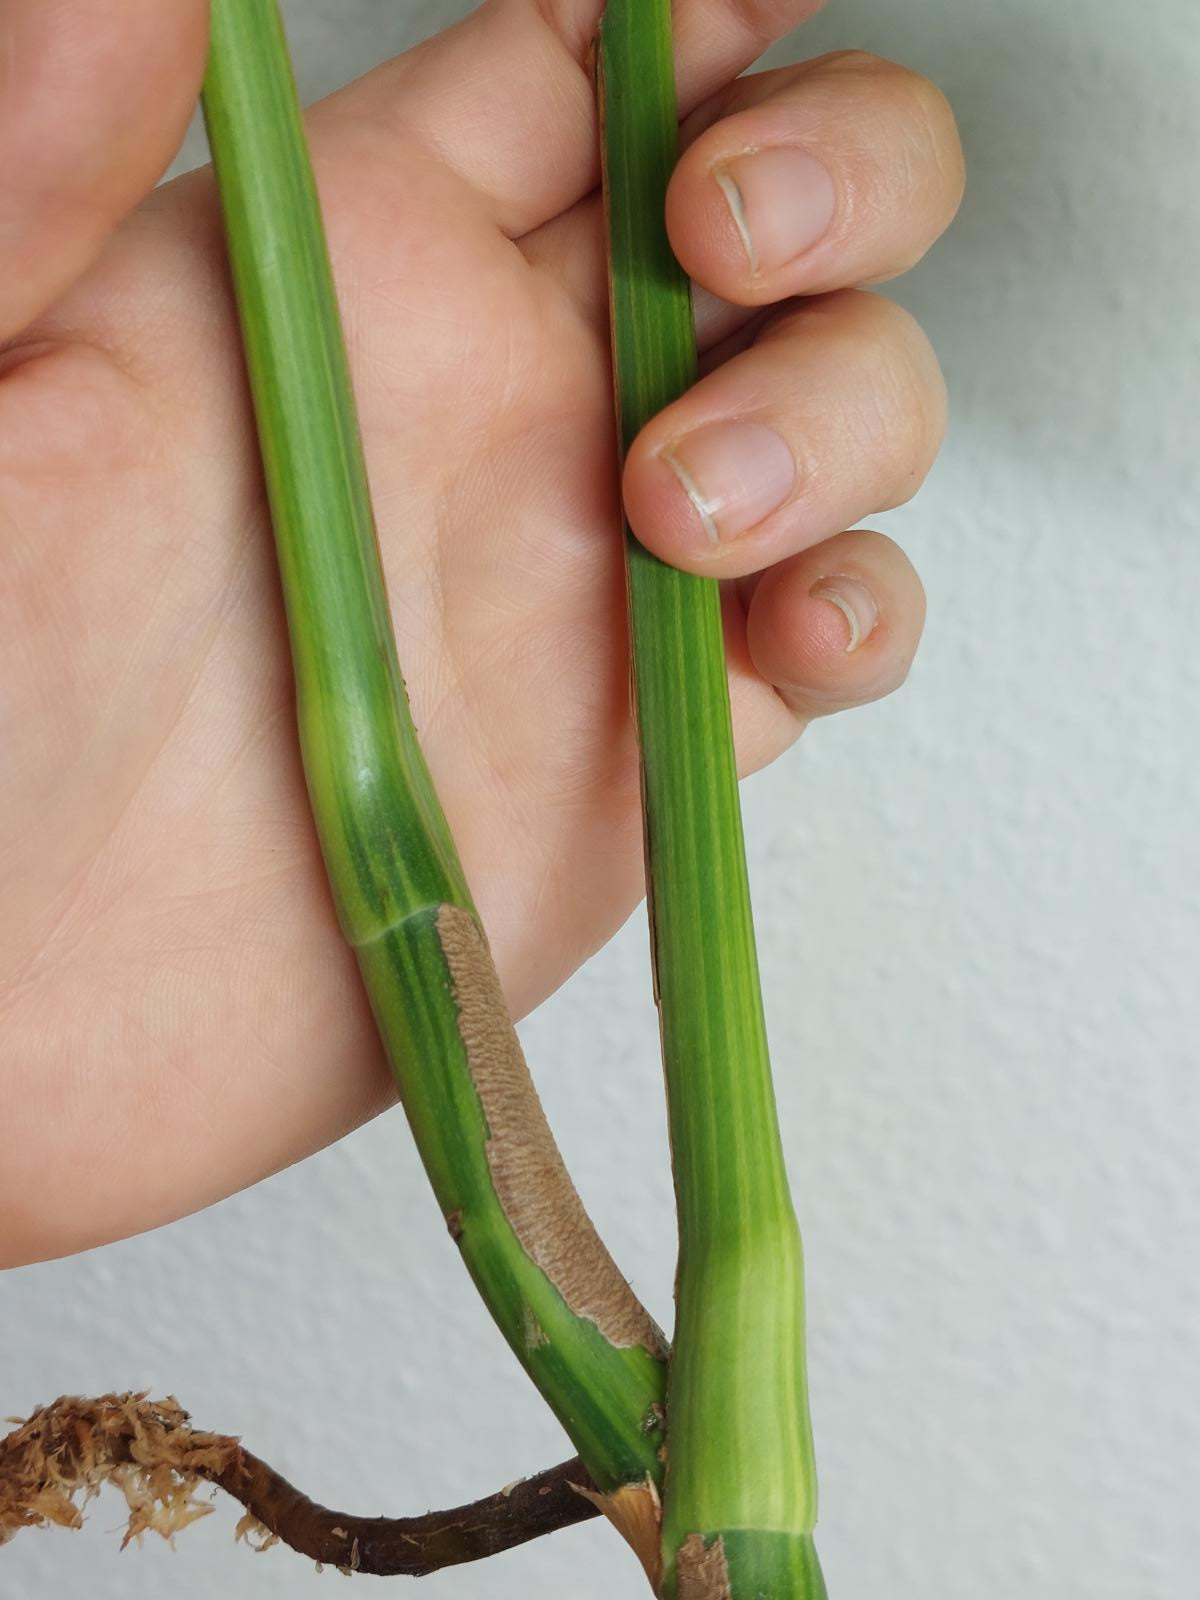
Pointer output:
740, 1488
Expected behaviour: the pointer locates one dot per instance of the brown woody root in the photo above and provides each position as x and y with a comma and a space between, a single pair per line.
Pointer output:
148, 1449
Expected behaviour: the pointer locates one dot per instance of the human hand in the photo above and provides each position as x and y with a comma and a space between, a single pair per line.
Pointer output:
178, 1016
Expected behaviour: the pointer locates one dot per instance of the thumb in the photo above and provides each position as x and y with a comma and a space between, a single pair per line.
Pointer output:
94, 100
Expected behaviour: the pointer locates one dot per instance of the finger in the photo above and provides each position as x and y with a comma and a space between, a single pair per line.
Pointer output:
836, 173
836, 411
837, 626
95, 101
529, 153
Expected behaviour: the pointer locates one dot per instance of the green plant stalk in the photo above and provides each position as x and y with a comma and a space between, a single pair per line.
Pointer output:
401, 896
740, 1500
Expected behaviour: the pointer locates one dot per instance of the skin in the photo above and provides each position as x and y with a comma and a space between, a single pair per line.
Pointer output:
178, 1017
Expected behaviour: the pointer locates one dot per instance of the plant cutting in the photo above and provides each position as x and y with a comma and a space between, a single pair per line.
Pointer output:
403, 902
701, 1455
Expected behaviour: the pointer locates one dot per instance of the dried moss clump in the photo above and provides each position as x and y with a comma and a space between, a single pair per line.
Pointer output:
60, 1458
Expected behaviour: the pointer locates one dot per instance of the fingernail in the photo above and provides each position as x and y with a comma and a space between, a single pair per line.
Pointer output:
734, 473
782, 202
856, 604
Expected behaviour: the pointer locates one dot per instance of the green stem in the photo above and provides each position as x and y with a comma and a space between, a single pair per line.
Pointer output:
740, 1494
401, 896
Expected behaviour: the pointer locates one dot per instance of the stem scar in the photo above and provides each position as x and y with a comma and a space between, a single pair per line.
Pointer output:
701, 1571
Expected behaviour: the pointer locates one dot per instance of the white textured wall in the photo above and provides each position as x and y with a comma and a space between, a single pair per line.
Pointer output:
978, 907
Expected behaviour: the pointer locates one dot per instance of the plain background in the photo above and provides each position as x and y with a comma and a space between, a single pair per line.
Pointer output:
978, 910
